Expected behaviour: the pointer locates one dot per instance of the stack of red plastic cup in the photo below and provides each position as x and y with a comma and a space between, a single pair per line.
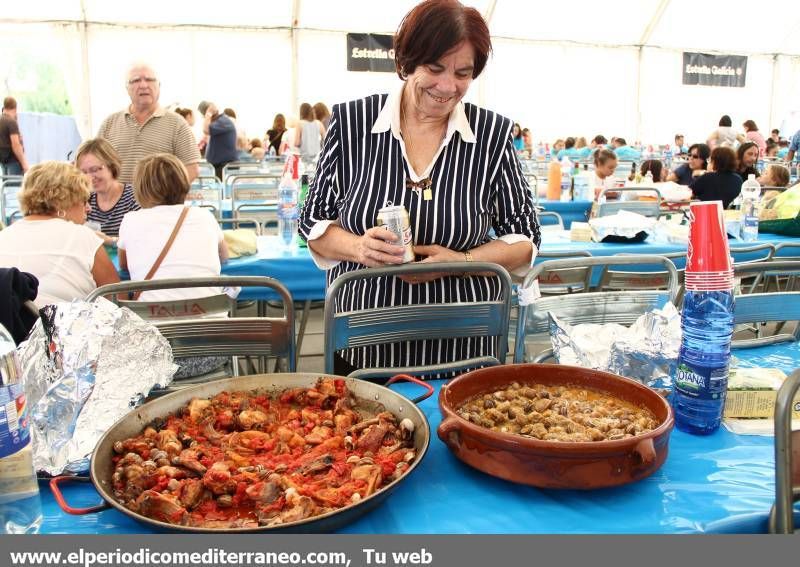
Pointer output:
708, 261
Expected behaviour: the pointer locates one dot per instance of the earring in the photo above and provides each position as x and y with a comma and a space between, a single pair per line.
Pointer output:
61, 214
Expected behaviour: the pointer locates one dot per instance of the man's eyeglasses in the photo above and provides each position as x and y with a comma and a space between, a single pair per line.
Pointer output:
92, 170
148, 80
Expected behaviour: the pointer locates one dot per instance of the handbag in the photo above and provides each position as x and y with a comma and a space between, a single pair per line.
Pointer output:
164, 250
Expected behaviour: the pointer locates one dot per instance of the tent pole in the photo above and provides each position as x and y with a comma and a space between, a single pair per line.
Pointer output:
772, 90
295, 44
643, 41
86, 119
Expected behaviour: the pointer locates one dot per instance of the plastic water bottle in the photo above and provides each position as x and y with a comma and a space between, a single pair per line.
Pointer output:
540, 154
581, 185
288, 211
566, 179
701, 379
20, 507
751, 193
668, 157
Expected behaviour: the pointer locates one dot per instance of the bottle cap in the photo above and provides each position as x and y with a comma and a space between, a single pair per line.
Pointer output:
708, 251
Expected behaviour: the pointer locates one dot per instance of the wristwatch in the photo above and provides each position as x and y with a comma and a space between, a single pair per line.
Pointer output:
467, 256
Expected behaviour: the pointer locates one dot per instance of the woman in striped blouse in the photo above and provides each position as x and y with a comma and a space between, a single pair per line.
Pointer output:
452, 165
110, 198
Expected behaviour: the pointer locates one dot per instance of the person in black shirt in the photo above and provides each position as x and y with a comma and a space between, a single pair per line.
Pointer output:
721, 183
746, 159
697, 165
275, 135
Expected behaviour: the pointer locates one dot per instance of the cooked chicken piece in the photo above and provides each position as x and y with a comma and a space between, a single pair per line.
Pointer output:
191, 493
197, 408
263, 492
218, 478
252, 419
163, 507
370, 473
168, 442
189, 459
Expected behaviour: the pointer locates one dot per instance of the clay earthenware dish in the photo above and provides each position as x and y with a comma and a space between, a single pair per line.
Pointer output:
554, 464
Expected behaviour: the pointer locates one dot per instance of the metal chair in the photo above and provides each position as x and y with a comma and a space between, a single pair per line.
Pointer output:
206, 192
256, 193
557, 224
622, 307
205, 169
191, 332
9, 187
622, 280
766, 307
787, 469
402, 323
645, 208
567, 280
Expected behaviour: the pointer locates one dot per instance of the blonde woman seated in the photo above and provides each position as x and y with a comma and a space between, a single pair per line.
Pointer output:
161, 185
51, 242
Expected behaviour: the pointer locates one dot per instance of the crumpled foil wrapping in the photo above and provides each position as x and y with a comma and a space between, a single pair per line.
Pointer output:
85, 366
625, 224
647, 351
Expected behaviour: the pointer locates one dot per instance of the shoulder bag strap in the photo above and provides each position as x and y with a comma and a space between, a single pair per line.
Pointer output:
164, 250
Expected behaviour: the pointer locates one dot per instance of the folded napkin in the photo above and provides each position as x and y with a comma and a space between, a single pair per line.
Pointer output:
240, 241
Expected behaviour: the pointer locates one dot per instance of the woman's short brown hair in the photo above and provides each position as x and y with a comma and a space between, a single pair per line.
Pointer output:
102, 150
779, 174
433, 28
52, 186
724, 159
306, 112
160, 179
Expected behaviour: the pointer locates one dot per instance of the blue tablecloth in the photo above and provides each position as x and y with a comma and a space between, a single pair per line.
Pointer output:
570, 211
704, 480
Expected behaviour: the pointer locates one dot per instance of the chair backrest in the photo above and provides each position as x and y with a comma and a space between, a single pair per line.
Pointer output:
622, 307
206, 192
554, 220
750, 254
192, 329
634, 279
257, 194
767, 307
402, 323
205, 169
787, 251
645, 208
242, 222
782, 517
241, 168
565, 280
9, 187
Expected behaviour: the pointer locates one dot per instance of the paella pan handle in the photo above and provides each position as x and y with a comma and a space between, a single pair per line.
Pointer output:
408, 378
62, 503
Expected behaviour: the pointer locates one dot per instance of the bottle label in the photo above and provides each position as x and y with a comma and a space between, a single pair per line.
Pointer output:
14, 434
17, 477
701, 382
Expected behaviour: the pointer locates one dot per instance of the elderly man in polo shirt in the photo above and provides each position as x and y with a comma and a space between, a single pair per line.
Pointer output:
144, 128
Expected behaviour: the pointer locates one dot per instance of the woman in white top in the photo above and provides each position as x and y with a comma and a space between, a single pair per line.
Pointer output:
161, 185
50, 242
605, 163
308, 134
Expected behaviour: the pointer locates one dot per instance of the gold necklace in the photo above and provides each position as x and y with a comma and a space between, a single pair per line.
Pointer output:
424, 184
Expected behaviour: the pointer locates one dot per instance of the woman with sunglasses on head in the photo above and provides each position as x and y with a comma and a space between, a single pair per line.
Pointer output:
696, 166
721, 183
110, 198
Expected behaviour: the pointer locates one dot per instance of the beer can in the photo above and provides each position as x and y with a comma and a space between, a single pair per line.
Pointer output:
395, 218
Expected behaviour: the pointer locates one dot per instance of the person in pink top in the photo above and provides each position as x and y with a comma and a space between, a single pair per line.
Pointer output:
752, 134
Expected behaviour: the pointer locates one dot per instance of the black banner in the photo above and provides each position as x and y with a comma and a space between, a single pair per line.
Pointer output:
714, 70
370, 52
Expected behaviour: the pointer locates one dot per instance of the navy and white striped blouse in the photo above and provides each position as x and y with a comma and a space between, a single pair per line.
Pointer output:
111, 219
477, 186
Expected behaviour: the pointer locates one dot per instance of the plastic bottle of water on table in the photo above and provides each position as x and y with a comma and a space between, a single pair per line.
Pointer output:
751, 194
701, 378
566, 179
20, 507
288, 210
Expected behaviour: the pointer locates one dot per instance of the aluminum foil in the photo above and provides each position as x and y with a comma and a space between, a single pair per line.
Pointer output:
647, 351
85, 366
625, 224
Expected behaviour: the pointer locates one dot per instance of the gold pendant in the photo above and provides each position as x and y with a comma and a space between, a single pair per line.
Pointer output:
427, 194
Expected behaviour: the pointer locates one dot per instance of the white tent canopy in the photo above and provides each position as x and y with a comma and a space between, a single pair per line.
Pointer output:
579, 68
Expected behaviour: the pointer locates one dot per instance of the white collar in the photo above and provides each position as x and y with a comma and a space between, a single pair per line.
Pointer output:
389, 119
